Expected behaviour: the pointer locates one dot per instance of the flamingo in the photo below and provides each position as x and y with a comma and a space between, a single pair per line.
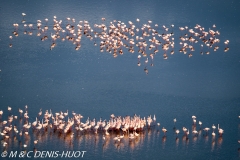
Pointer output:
40, 112
146, 61
206, 130
4, 122
213, 127
195, 132
177, 132
184, 129
194, 119
35, 122
213, 133
220, 130
39, 127
23, 15
9, 108
5, 144
200, 123
172, 27
226, 42
35, 142
174, 120
146, 70
164, 130
139, 56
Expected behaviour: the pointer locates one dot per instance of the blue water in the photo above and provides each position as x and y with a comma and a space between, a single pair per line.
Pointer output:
95, 84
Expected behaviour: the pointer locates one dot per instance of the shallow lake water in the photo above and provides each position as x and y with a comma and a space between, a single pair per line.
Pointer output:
96, 85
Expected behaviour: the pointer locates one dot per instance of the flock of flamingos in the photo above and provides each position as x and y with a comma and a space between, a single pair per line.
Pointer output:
71, 125
117, 38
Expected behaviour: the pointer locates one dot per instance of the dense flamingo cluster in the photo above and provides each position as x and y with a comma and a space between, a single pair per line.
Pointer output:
68, 125
118, 37
65, 124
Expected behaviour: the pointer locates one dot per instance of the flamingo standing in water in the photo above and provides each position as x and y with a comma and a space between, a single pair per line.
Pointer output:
10, 37
23, 15
62, 126
9, 108
174, 120
213, 127
184, 129
158, 124
213, 133
200, 123
177, 132
35, 142
194, 119
172, 28
164, 130
220, 131
226, 48
195, 132
146, 61
206, 130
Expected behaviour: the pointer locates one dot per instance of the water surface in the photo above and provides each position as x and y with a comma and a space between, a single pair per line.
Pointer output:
96, 85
